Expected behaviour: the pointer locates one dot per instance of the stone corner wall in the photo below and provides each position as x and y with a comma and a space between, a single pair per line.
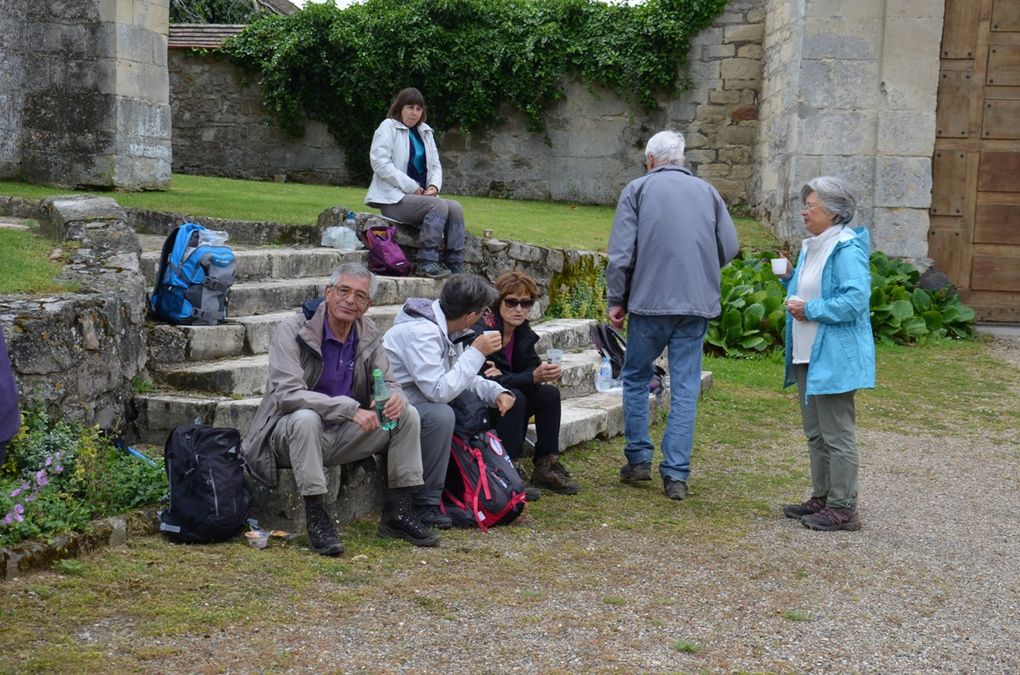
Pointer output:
78, 351
850, 89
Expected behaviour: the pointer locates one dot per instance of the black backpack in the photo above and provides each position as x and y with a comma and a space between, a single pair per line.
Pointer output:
610, 343
209, 500
483, 488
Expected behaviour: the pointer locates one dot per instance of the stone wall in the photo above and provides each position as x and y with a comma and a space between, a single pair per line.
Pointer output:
91, 107
221, 129
12, 75
595, 139
78, 351
850, 90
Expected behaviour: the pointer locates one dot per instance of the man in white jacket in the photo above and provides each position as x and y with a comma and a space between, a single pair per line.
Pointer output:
428, 359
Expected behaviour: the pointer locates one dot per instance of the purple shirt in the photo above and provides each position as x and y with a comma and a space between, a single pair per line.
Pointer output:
337, 377
508, 350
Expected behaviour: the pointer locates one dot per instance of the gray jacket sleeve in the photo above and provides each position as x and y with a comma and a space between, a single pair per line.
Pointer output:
622, 248
725, 232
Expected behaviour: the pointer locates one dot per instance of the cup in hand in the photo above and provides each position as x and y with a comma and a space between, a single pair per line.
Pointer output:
779, 266
554, 356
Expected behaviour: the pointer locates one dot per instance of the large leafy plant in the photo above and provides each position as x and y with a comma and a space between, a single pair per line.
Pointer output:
343, 67
753, 315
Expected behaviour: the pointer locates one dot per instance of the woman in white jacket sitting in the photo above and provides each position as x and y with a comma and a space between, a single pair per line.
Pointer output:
406, 181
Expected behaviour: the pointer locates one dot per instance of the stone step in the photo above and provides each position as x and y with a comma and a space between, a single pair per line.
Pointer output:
246, 375
280, 295
237, 337
259, 264
594, 415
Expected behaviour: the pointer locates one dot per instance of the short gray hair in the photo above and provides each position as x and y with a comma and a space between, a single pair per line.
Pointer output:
667, 147
835, 196
466, 293
358, 271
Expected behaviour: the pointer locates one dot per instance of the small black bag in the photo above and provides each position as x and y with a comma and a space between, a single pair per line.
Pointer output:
610, 343
209, 500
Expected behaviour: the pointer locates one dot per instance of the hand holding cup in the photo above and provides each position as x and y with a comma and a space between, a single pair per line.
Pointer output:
488, 342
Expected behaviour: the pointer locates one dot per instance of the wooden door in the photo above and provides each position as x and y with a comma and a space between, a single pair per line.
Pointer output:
975, 213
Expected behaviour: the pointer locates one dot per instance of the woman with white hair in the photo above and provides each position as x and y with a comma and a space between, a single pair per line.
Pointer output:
830, 351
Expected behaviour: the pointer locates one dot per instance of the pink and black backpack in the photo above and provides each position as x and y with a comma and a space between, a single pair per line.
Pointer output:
385, 257
482, 487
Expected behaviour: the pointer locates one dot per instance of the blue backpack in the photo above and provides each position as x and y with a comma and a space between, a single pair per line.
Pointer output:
194, 279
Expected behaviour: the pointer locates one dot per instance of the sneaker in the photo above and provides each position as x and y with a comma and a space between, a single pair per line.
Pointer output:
432, 270
674, 489
431, 516
632, 473
798, 511
831, 518
547, 476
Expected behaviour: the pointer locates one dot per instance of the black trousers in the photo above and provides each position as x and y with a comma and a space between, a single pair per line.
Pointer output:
540, 400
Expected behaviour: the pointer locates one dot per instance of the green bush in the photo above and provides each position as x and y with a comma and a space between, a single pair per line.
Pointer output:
343, 67
753, 316
58, 476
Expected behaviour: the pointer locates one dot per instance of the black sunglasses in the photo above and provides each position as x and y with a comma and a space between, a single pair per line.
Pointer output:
513, 302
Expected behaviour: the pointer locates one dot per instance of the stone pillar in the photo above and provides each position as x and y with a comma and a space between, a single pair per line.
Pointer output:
96, 94
850, 89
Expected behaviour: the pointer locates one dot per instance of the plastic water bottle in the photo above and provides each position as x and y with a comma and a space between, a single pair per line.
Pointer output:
351, 221
381, 394
604, 378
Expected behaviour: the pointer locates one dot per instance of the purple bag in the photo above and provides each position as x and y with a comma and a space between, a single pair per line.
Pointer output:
384, 255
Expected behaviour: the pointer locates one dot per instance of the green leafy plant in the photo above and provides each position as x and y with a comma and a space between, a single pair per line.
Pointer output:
58, 476
343, 67
753, 316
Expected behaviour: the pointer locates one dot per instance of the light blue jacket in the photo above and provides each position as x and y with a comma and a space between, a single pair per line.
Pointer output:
843, 354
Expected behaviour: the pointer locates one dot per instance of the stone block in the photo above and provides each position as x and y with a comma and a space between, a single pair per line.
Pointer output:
901, 232
846, 84
910, 62
717, 51
740, 69
753, 32
738, 135
903, 182
245, 376
751, 51
708, 171
906, 132
830, 132
57, 214
915, 9
842, 11
842, 38
724, 97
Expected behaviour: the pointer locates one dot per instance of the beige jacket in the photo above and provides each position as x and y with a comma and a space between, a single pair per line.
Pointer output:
295, 365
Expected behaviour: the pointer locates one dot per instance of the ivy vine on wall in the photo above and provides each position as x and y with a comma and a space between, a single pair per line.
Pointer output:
343, 67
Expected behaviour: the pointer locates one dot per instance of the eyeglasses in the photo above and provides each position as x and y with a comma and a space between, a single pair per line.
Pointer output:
808, 208
345, 292
514, 302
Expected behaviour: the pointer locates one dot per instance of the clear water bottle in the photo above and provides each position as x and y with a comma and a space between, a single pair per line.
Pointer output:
381, 394
351, 221
604, 378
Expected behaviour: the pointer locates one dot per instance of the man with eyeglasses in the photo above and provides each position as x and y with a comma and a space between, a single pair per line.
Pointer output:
318, 410
432, 365
671, 237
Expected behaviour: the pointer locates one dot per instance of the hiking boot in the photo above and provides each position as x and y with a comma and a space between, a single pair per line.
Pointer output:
432, 270
531, 493
632, 473
798, 511
831, 518
455, 268
322, 536
399, 521
431, 516
552, 475
674, 489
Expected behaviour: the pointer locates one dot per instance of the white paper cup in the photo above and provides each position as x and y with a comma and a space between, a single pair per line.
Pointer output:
490, 332
257, 538
554, 356
779, 266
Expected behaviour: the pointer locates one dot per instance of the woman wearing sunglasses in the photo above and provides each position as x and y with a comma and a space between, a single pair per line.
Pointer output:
517, 367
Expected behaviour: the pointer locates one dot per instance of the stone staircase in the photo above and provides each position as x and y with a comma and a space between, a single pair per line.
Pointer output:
217, 374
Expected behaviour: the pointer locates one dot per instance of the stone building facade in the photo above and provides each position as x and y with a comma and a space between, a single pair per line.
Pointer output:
83, 93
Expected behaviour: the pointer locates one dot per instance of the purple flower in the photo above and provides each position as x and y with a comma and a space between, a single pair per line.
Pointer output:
40, 477
18, 517
15, 492
8, 519
58, 468
18, 510
49, 460
30, 498
26, 485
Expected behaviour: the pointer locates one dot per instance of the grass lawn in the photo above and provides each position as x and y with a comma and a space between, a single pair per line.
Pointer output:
143, 606
553, 224
25, 265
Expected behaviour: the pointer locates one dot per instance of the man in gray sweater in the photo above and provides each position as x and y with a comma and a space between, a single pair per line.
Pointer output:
671, 237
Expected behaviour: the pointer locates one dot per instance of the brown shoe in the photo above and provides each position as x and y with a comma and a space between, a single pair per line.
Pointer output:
830, 518
552, 475
531, 493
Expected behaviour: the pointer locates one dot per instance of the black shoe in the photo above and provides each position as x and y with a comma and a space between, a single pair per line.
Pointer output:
399, 521
322, 536
432, 270
632, 473
674, 489
798, 511
455, 268
431, 516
